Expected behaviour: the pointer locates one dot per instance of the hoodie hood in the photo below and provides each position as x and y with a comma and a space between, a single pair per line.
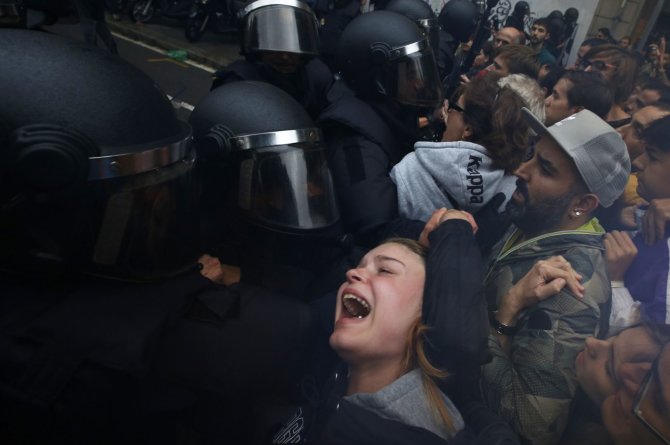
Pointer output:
448, 174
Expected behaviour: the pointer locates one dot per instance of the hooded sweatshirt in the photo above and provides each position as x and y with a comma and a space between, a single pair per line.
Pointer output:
448, 174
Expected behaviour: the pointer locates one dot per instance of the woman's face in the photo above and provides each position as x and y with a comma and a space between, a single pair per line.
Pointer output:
455, 123
377, 305
624, 427
604, 366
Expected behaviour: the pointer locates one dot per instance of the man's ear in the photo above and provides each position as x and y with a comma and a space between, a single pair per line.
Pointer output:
585, 204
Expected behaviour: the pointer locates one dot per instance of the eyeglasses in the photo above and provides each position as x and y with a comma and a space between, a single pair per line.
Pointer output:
644, 401
597, 65
454, 106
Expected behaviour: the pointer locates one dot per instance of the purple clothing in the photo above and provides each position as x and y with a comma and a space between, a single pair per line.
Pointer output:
647, 279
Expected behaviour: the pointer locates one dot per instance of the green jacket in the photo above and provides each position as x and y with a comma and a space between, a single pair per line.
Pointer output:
533, 387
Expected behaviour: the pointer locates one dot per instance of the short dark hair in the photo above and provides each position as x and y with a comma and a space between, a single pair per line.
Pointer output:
594, 41
519, 59
661, 88
544, 22
657, 134
554, 74
589, 90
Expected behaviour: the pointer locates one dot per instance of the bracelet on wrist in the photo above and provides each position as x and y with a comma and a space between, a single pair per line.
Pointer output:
499, 327
617, 284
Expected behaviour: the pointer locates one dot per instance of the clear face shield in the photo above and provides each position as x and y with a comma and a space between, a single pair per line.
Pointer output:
413, 78
143, 225
281, 26
286, 185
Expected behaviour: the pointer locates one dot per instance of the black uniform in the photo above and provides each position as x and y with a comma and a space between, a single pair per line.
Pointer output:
364, 141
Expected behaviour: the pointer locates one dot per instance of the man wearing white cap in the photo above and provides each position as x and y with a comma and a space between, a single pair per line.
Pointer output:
577, 164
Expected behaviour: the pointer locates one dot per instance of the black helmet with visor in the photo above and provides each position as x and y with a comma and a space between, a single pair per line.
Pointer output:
278, 172
96, 169
280, 26
385, 54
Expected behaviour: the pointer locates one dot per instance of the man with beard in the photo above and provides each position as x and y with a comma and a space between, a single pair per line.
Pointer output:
577, 164
538, 41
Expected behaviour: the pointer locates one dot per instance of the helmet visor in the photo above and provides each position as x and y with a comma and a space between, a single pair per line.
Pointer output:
417, 80
288, 187
145, 226
281, 28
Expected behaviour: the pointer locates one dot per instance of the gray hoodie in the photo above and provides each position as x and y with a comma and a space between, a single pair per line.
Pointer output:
405, 401
462, 170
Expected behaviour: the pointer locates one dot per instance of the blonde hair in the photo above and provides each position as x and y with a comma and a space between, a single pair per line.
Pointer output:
415, 357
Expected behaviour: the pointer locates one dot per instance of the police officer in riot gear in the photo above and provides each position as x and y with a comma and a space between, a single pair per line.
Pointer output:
457, 21
518, 16
99, 290
389, 65
279, 221
280, 43
422, 14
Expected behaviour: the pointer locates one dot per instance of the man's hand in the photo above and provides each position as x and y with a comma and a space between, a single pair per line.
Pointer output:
441, 215
655, 220
545, 279
213, 270
620, 251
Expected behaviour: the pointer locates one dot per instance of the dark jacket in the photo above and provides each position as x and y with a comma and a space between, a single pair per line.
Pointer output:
533, 387
363, 145
92, 360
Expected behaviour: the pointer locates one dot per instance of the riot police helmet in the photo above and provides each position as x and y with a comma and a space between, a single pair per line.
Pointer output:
422, 14
95, 167
556, 14
459, 18
521, 9
288, 26
278, 174
571, 15
383, 54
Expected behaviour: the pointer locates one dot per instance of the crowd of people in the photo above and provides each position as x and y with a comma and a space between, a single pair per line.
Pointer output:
381, 240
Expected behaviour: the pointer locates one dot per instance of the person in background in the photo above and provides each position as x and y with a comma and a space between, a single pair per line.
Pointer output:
620, 69
515, 59
272, 54
539, 37
586, 47
651, 92
605, 34
484, 142
576, 91
548, 76
518, 16
617, 374
509, 35
626, 43
639, 272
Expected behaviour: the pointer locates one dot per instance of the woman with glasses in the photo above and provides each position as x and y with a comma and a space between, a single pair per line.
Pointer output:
485, 140
620, 68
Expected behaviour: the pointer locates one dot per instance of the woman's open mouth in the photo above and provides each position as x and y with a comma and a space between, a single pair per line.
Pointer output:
355, 306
